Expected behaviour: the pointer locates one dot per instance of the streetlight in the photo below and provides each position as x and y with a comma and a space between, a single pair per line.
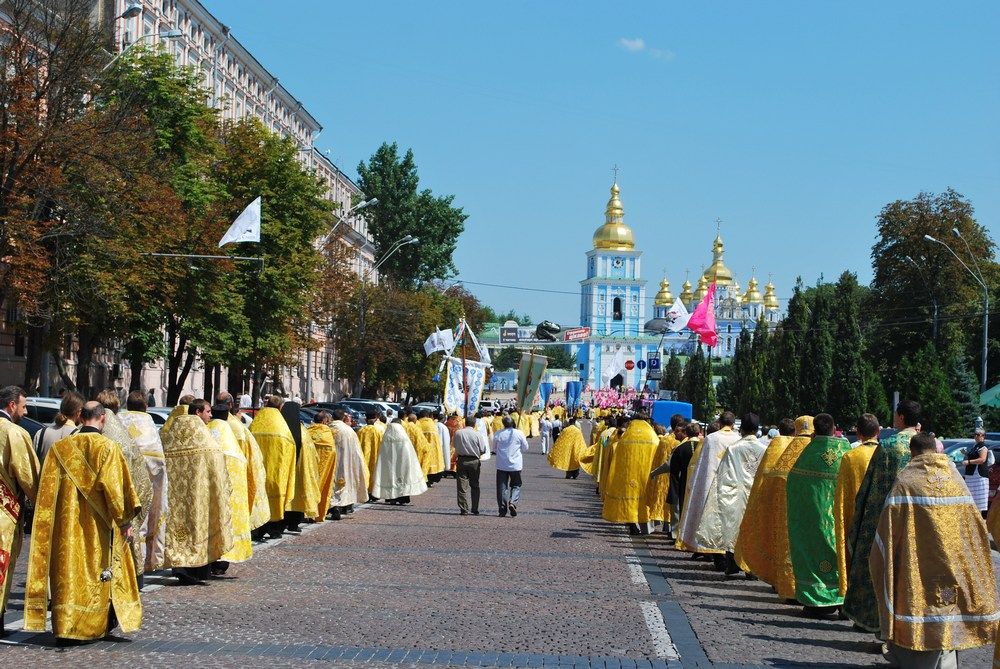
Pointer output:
359, 363
986, 297
356, 208
166, 34
929, 292
132, 10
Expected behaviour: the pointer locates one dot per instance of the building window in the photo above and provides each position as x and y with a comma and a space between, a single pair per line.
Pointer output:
616, 309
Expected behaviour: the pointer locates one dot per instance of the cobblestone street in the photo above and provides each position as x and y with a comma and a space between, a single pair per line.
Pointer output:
424, 586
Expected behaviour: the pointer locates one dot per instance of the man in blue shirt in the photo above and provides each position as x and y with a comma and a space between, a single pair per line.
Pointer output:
508, 444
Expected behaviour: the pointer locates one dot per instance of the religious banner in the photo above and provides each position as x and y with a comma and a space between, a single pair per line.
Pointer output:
529, 377
574, 390
454, 388
544, 391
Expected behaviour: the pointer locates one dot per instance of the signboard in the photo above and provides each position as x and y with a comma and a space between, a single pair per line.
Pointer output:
512, 333
629, 365
641, 364
576, 334
655, 371
508, 335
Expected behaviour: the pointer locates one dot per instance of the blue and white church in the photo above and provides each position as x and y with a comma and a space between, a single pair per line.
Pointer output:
613, 305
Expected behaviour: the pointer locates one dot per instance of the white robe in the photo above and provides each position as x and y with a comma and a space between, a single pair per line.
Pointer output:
445, 436
700, 482
397, 470
349, 477
727, 498
545, 427
143, 431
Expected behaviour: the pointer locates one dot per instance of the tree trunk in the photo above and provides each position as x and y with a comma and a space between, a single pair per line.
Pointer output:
211, 371
84, 358
236, 378
135, 360
63, 374
33, 361
174, 392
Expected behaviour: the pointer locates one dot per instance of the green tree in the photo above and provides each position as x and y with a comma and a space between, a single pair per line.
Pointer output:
923, 377
847, 390
561, 358
508, 358
964, 391
789, 348
816, 372
758, 388
404, 210
876, 400
671, 377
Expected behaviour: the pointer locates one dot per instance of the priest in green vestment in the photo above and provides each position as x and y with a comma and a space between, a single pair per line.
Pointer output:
812, 539
890, 456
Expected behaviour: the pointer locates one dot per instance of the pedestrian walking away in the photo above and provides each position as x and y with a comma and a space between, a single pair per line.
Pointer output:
508, 444
469, 445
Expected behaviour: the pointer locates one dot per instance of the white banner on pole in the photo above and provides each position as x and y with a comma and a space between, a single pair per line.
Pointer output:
454, 389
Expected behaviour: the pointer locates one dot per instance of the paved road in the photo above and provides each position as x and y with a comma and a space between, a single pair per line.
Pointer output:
423, 586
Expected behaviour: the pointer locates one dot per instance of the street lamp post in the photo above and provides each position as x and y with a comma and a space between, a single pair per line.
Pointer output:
166, 34
986, 299
359, 363
934, 301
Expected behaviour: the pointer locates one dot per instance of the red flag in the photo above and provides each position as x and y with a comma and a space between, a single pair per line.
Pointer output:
703, 319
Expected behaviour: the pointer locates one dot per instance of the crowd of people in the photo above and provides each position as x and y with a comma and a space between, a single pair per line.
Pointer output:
108, 497
886, 533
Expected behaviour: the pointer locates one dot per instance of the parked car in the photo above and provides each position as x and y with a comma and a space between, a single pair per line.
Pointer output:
159, 415
43, 409
357, 416
489, 405
363, 406
433, 407
31, 425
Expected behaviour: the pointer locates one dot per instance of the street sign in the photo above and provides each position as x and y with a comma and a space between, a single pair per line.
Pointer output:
641, 364
629, 365
576, 334
655, 373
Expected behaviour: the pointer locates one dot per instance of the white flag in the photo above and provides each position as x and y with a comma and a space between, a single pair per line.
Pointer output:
677, 316
246, 227
616, 366
484, 354
440, 340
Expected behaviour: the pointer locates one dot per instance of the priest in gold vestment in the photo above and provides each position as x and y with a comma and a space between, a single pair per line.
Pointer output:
305, 498
83, 515
200, 525
993, 524
146, 436
853, 466
278, 448
435, 457
260, 511
774, 489
239, 481
350, 477
628, 475
931, 565
19, 470
420, 445
568, 449
326, 450
370, 438
658, 487
756, 541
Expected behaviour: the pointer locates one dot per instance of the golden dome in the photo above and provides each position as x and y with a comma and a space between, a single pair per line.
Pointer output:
614, 235
699, 294
770, 299
664, 298
718, 272
752, 296
686, 295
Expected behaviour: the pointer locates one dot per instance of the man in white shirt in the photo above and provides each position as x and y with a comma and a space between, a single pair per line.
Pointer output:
508, 444
483, 428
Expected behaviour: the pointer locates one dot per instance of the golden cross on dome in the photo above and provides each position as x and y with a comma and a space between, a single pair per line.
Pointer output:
614, 171
718, 225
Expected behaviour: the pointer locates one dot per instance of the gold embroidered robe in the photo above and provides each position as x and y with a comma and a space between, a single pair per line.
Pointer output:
326, 451
370, 438
19, 470
853, 466
152, 534
628, 475
658, 488
278, 450
85, 496
755, 546
570, 445
239, 499
116, 431
306, 499
260, 510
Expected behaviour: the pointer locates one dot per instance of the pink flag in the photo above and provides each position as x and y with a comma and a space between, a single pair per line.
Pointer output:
703, 319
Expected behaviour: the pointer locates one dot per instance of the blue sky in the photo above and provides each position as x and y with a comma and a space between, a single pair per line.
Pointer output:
793, 122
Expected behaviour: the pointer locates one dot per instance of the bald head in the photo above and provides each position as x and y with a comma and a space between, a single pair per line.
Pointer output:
92, 415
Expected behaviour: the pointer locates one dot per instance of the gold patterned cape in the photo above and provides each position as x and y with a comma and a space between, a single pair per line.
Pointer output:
930, 563
116, 431
239, 498
420, 445
278, 450
570, 445
993, 523
152, 534
628, 475
84, 497
18, 482
350, 484
179, 410
853, 466
370, 439
435, 456
200, 525
754, 549
306, 499
326, 450
260, 510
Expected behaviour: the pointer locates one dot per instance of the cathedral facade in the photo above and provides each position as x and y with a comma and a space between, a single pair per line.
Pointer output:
613, 306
